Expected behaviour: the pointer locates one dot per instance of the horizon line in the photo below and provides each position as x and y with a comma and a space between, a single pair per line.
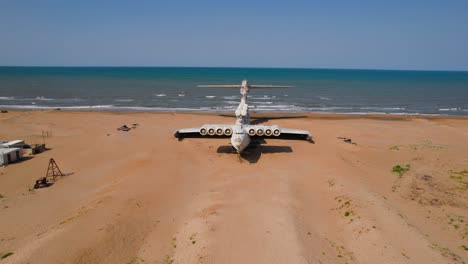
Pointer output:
228, 67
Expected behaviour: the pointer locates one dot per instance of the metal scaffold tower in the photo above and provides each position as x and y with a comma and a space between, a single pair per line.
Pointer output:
53, 170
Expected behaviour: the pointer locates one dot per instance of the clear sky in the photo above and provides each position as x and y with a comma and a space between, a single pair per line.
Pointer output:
382, 34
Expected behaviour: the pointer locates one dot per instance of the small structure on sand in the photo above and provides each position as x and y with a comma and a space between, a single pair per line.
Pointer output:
26, 149
53, 171
12, 144
33, 149
10, 155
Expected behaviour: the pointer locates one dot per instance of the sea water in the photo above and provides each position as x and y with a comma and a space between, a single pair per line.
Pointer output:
171, 89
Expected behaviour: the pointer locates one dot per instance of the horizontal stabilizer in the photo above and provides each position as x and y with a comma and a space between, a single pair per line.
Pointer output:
240, 86
219, 86
268, 86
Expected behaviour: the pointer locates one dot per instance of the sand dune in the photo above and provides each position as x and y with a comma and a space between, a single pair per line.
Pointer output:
144, 197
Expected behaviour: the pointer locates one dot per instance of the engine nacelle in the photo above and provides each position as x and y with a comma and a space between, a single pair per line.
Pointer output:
268, 132
203, 131
276, 132
259, 132
219, 131
227, 131
211, 131
251, 132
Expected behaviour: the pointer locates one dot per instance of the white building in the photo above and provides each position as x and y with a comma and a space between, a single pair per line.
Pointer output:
9, 155
12, 144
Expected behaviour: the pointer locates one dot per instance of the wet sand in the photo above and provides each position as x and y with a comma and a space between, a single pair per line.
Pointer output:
142, 196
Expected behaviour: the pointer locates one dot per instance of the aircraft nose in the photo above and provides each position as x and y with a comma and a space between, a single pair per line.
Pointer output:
236, 143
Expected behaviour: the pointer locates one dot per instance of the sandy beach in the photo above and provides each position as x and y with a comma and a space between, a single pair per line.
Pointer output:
142, 196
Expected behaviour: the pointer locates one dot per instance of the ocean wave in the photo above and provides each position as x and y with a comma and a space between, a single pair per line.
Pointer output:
38, 98
41, 98
329, 108
382, 108
210, 96
124, 100
160, 95
231, 102
55, 107
252, 102
181, 94
265, 97
324, 98
449, 109
275, 106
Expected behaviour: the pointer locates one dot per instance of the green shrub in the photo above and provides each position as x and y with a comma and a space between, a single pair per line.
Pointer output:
401, 169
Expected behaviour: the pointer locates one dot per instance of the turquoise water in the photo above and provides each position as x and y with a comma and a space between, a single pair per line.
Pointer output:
174, 89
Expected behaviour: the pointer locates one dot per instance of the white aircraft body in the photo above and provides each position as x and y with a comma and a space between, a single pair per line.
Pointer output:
242, 132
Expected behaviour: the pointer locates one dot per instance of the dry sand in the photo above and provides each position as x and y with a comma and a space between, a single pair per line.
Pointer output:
144, 197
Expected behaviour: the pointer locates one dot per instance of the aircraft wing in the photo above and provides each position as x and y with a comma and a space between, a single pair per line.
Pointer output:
204, 131
278, 132
288, 133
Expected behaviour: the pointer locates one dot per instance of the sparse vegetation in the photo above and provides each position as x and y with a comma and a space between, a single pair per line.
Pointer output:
448, 254
401, 169
341, 252
459, 224
347, 213
174, 242
192, 238
6, 255
459, 177
136, 260
1, 196
395, 148
427, 144
168, 260
464, 247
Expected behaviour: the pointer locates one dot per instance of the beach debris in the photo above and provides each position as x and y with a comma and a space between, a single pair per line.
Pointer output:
6, 255
124, 128
135, 125
347, 140
42, 183
58, 108
4, 111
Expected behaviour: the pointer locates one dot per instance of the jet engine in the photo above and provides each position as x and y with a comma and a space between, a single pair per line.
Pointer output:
219, 131
227, 131
268, 132
276, 132
203, 131
251, 132
211, 131
259, 132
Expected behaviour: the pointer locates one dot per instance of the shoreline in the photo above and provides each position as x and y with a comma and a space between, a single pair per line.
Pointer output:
312, 115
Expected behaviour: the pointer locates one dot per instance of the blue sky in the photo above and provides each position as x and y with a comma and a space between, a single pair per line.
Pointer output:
427, 35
